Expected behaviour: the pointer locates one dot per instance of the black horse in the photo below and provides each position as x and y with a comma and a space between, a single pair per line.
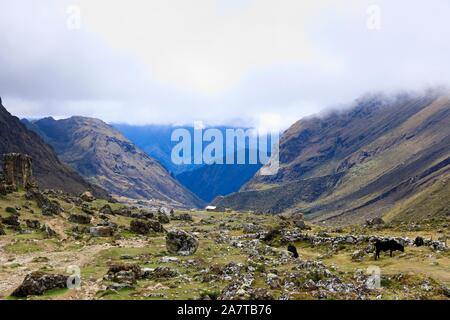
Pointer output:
293, 249
387, 245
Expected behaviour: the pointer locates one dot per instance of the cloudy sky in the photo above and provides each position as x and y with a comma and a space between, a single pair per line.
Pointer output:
254, 62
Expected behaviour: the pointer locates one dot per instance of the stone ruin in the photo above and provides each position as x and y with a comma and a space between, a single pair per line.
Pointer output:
17, 172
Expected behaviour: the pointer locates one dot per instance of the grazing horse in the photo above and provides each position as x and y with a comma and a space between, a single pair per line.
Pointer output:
419, 242
293, 249
387, 245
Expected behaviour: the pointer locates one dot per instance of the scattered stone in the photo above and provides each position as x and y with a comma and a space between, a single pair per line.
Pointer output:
49, 232
33, 224
358, 255
12, 220
101, 231
124, 273
163, 218
37, 283
159, 273
375, 222
181, 242
183, 217
169, 259
106, 209
47, 206
144, 227
80, 218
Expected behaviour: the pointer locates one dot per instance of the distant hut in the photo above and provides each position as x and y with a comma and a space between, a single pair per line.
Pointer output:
211, 209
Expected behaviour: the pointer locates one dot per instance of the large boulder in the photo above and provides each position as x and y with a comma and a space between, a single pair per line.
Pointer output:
37, 283
181, 242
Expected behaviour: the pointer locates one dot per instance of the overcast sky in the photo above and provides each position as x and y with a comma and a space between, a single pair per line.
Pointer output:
253, 62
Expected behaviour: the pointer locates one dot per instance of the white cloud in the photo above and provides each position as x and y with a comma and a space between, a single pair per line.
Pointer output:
222, 62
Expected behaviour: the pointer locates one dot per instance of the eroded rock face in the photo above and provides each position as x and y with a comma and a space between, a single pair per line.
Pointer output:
181, 242
36, 283
17, 170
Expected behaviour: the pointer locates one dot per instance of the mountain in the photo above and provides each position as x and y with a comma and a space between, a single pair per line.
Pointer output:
381, 156
210, 181
105, 157
48, 170
155, 140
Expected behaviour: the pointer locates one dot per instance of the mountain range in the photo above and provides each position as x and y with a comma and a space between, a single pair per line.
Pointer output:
382, 156
102, 155
49, 171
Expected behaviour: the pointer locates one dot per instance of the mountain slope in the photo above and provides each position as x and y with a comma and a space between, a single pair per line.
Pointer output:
210, 181
104, 156
358, 163
48, 170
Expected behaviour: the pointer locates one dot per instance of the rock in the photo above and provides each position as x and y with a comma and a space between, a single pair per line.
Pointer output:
144, 227
163, 218
106, 209
300, 224
101, 231
375, 222
124, 273
17, 170
273, 281
87, 196
160, 273
251, 228
181, 242
49, 232
47, 206
183, 217
164, 210
33, 224
12, 220
272, 234
358, 255
293, 250
11, 210
445, 290
37, 283
80, 218
169, 259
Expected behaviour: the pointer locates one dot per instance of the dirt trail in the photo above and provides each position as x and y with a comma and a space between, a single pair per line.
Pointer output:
16, 266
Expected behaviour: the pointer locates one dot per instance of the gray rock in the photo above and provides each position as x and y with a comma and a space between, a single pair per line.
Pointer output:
181, 242
37, 283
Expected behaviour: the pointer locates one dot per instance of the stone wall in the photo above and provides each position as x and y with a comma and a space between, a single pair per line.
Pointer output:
17, 170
